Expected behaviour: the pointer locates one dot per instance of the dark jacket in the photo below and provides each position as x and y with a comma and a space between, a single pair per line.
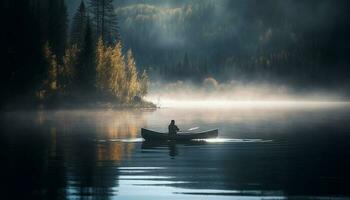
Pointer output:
173, 129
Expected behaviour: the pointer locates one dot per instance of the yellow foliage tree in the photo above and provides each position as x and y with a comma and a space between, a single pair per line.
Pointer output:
144, 84
51, 83
110, 68
101, 66
117, 79
131, 76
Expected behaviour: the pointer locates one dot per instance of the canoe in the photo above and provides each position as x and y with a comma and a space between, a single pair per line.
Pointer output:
181, 136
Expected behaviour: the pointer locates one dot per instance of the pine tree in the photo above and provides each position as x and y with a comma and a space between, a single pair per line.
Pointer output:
79, 25
131, 76
57, 31
105, 21
57, 26
86, 70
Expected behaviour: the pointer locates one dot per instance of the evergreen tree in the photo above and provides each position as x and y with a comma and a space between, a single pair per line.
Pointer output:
57, 26
57, 31
79, 25
86, 70
105, 21
19, 38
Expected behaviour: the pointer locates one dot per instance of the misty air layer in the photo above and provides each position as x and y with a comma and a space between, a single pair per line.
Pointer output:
53, 54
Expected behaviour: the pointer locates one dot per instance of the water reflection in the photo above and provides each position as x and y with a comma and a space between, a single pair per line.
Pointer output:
172, 149
270, 154
170, 146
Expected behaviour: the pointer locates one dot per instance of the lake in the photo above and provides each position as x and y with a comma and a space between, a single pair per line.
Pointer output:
264, 151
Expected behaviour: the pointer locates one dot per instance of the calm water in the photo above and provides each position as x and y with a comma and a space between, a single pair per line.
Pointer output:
274, 152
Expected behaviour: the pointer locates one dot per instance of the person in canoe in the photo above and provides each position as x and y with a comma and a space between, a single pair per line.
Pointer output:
173, 129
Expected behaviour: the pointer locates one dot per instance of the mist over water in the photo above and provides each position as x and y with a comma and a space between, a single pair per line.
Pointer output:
211, 94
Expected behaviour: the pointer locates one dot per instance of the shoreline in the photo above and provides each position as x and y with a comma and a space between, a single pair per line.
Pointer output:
80, 106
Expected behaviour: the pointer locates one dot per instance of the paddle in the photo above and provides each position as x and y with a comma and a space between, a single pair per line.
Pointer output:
194, 128
190, 129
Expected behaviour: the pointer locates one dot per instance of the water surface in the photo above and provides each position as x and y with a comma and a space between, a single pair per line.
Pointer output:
263, 152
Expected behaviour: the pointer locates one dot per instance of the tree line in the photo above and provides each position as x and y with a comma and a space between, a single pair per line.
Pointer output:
246, 40
50, 62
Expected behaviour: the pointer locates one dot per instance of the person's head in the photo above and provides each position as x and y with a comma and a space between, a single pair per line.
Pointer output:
172, 122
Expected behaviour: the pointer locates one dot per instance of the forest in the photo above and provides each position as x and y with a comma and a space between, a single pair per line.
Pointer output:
112, 51
302, 44
54, 61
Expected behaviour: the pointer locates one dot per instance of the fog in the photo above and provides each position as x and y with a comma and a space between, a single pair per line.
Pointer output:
237, 94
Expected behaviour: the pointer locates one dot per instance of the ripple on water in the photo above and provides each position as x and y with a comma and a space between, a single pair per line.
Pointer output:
233, 140
123, 140
213, 140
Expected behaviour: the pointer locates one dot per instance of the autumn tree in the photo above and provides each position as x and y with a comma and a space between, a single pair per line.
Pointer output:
59, 77
68, 70
49, 87
117, 79
101, 66
110, 70
51, 82
131, 76
144, 84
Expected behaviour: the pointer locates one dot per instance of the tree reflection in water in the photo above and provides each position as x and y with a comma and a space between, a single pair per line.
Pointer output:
99, 154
